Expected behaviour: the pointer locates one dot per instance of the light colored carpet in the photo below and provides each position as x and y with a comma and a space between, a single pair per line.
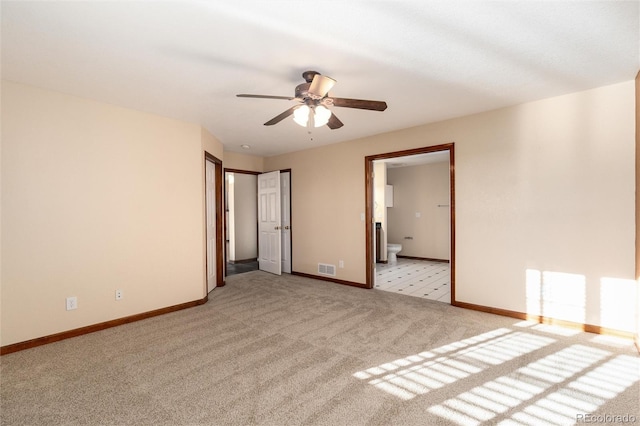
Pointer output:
289, 350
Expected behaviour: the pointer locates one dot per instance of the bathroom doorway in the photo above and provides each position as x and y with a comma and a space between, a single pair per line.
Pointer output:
417, 216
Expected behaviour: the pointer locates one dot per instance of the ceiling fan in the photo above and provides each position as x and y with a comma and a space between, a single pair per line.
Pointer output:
313, 98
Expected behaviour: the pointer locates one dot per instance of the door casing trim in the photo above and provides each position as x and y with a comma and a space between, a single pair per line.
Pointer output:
220, 256
368, 177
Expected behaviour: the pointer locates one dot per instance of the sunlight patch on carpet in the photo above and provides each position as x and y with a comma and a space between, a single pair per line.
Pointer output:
588, 378
418, 374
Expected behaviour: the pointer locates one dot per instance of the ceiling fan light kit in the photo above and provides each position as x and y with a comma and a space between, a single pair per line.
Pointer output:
315, 100
320, 86
301, 115
315, 116
321, 115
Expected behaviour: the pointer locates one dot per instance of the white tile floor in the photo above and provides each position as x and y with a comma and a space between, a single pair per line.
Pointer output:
419, 278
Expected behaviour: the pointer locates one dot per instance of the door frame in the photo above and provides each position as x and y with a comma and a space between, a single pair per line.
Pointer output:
220, 255
290, 219
251, 172
369, 219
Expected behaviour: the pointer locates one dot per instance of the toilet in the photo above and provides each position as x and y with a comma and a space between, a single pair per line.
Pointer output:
392, 250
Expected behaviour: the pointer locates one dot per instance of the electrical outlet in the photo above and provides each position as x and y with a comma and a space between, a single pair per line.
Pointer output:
72, 303
119, 294
341, 264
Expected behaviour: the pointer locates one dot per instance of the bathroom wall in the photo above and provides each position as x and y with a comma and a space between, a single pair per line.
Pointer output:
416, 221
379, 203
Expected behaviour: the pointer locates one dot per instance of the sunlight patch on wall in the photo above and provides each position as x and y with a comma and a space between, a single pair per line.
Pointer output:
618, 304
418, 374
558, 295
533, 291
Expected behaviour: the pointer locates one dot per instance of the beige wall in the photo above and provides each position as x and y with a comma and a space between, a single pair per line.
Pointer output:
420, 189
544, 189
327, 196
211, 144
250, 163
96, 198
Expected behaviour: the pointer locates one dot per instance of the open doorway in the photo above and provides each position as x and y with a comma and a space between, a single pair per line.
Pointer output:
246, 248
410, 246
241, 221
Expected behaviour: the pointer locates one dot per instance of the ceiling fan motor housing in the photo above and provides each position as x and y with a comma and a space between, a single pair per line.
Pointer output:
308, 75
302, 90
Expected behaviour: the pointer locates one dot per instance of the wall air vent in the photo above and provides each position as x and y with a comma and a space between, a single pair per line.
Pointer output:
324, 269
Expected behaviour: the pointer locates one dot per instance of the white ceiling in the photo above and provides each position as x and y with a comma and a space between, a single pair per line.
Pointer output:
429, 60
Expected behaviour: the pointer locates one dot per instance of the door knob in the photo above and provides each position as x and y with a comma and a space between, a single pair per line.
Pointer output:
286, 227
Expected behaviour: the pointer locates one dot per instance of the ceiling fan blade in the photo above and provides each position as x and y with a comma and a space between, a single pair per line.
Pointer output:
360, 104
279, 118
334, 122
320, 85
243, 95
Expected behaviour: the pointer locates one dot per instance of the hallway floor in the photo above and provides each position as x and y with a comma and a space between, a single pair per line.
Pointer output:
418, 278
242, 267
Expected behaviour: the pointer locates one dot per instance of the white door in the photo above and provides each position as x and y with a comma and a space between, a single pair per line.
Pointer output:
210, 199
285, 197
269, 226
